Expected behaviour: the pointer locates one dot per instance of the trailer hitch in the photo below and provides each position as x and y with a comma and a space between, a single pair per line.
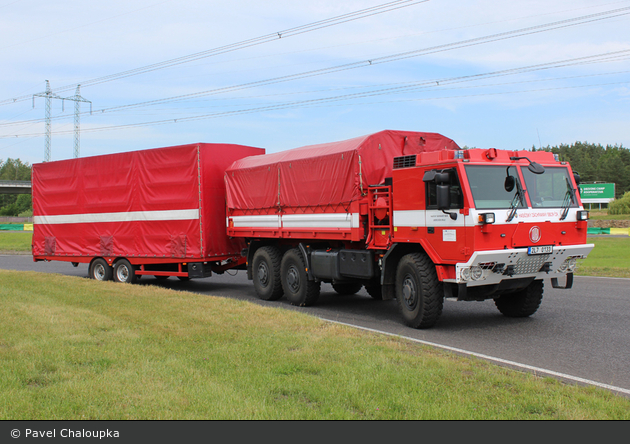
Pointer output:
568, 284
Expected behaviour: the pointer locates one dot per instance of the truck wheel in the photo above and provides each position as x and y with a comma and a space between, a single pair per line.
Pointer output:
124, 272
418, 291
346, 288
522, 303
297, 288
266, 273
376, 291
100, 270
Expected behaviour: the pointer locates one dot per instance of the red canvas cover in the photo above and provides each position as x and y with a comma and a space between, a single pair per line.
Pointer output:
157, 203
323, 175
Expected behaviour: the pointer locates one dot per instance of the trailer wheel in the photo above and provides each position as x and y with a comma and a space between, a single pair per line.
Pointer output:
297, 288
124, 272
346, 288
522, 303
418, 291
100, 270
266, 273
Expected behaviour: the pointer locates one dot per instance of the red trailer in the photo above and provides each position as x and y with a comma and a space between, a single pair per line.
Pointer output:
157, 212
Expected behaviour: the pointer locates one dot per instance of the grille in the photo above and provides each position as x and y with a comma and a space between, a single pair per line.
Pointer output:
530, 264
405, 161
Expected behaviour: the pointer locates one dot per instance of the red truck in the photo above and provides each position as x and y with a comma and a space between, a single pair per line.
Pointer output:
407, 215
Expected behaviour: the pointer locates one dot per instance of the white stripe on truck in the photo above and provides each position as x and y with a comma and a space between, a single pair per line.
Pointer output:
131, 216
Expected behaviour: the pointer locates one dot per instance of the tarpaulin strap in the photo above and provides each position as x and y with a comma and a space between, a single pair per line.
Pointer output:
200, 203
361, 178
278, 187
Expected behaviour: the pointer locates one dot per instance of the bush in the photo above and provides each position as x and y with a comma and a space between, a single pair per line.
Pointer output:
620, 206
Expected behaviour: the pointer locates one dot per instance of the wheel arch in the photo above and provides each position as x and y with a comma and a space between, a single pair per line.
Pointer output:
390, 265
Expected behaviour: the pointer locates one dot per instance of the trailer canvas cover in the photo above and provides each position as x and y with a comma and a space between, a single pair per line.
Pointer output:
326, 175
162, 203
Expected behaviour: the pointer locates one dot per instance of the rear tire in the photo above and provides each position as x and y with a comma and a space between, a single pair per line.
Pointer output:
297, 288
419, 292
522, 303
266, 273
124, 272
100, 270
346, 288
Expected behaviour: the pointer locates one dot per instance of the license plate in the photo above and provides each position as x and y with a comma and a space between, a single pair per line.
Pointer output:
540, 249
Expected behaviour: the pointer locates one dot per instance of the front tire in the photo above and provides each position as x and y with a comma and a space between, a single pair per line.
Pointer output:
100, 270
266, 273
124, 272
297, 288
522, 303
419, 293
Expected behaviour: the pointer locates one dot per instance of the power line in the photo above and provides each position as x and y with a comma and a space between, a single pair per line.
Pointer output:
344, 18
409, 88
390, 58
596, 58
386, 59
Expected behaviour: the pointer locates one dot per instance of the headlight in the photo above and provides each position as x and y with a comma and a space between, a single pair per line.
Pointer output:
486, 218
465, 274
582, 215
476, 272
571, 263
563, 267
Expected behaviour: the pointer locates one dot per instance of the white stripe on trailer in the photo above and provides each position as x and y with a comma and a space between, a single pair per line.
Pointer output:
131, 216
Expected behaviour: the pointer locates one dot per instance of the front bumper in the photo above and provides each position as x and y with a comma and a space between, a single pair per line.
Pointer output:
495, 266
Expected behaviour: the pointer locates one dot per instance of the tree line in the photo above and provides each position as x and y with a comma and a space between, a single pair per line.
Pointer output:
15, 204
593, 162
596, 163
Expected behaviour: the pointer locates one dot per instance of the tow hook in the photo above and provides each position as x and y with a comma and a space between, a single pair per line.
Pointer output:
569, 283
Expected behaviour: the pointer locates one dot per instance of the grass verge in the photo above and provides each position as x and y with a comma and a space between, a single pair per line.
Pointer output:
610, 257
17, 241
602, 215
71, 348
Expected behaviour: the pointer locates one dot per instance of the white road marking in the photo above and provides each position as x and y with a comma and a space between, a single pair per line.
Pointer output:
536, 370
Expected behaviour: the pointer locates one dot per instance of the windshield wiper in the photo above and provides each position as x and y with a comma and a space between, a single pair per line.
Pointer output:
516, 201
568, 199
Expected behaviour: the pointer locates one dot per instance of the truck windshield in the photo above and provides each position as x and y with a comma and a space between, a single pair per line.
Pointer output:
487, 186
551, 189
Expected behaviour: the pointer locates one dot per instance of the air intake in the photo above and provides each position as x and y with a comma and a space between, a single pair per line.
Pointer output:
404, 161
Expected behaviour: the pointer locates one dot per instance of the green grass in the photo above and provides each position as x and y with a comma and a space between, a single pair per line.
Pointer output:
72, 348
15, 240
610, 257
603, 215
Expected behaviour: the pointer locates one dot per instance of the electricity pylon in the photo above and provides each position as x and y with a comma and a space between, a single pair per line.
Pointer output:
77, 99
48, 95
77, 107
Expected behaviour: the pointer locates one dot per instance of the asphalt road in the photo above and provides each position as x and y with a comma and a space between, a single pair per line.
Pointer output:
582, 333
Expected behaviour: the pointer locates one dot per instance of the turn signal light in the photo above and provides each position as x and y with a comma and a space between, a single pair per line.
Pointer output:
486, 218
582, 215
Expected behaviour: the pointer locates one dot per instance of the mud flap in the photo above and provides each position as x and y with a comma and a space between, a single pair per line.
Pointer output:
569, 283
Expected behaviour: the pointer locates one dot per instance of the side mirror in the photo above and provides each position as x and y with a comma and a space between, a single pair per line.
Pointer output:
509, 183
577, 178
536, 168
443, 196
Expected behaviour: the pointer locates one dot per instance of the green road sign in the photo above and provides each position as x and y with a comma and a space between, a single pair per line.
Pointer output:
597, 192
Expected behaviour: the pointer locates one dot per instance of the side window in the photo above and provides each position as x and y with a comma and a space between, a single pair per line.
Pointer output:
457, 198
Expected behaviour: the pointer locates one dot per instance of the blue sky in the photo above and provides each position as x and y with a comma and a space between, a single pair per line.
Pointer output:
508, 75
